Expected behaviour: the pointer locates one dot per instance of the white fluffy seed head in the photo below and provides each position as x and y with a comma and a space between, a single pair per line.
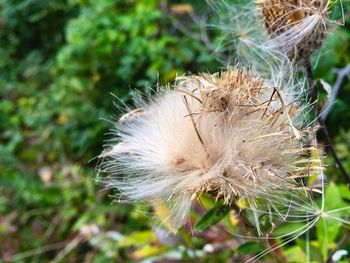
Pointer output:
228, 134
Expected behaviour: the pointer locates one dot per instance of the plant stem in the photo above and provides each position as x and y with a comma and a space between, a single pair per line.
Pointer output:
314, 95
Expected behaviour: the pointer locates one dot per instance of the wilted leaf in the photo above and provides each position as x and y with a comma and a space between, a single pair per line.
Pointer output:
182, 9
163, 212
149, 251
138, 238
234, 218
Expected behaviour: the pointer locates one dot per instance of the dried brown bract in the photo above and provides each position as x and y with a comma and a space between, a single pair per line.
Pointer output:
298, 26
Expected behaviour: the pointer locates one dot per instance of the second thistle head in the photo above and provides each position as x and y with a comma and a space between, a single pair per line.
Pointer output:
297, 26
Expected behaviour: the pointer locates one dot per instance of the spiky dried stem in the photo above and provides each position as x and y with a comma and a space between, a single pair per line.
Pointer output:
334, 152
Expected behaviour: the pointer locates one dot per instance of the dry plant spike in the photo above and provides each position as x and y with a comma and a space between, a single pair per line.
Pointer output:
298, 27
229, 134
130, 115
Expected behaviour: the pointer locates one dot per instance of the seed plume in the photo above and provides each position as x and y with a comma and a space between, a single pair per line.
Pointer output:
230, 134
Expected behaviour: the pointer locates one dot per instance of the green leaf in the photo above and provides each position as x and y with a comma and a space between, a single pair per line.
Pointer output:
213, 216
327, 232
333, 199
250, 247
328, 228
295, 254
287, 228
344, 191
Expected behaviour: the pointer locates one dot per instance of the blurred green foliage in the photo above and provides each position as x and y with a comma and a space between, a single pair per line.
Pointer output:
61, 61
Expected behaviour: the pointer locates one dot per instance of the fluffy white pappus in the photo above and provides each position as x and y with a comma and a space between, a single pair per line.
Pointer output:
228, 134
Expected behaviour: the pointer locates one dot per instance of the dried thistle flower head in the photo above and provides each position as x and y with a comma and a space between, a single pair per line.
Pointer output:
229, 134
297, 26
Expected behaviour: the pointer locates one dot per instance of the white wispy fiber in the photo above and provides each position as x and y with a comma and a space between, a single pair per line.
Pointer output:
241, 34
229, 134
